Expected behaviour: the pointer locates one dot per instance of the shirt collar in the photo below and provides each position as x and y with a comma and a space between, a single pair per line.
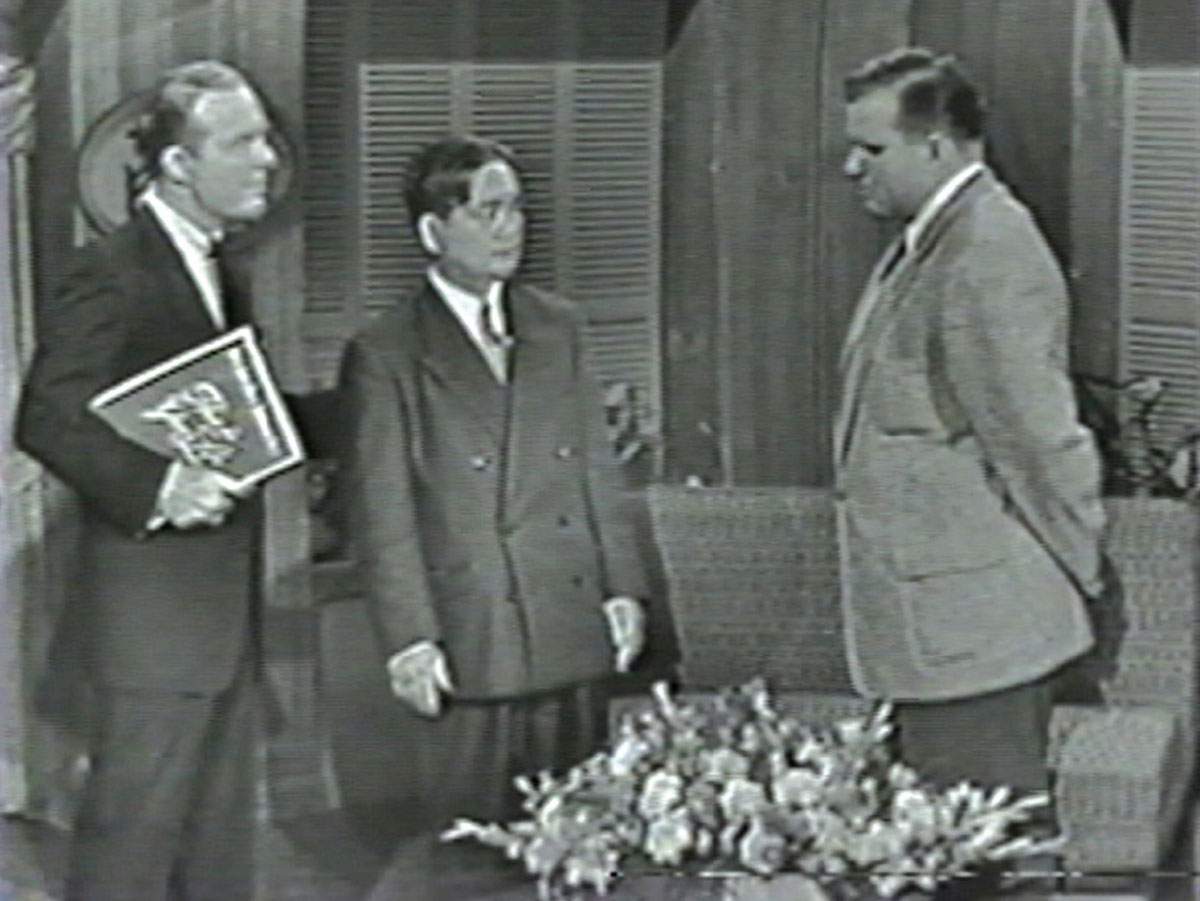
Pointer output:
181, 229
465, 301
937, 202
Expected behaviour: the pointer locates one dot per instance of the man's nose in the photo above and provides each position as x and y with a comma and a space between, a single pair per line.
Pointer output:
268, 156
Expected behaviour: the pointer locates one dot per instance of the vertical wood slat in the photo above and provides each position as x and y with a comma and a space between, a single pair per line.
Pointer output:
1031, 88
765, 175
1094, 194
849, 241
691, 350
793, 270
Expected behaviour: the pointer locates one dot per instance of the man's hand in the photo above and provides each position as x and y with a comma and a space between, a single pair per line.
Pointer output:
193, 497
419, 676
627, 628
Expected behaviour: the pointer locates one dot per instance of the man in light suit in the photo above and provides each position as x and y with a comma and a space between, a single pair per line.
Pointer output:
969, 512
165, 611
494, 530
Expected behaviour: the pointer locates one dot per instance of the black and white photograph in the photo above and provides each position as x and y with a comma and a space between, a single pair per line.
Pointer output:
553, 450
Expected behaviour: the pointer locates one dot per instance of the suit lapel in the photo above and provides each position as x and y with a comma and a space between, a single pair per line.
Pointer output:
234, 279
448, 355
541, 376
886, 294
881, 297
162, 261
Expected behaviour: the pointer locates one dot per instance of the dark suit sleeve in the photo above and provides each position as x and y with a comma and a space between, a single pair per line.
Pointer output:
1003, 335
614, 503
82, 332
383, 516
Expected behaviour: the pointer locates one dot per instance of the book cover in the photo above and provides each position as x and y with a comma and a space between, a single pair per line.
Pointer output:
215, 406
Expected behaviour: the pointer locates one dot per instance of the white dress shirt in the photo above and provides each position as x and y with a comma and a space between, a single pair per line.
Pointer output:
942, 196
195, 247
465, 307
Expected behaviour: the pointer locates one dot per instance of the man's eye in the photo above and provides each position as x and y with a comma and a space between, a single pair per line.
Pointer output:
873, 149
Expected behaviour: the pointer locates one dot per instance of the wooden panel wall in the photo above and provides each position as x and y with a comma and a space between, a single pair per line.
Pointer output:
102, 52
692, 406
1165, 32
754, 100
754, 130
513, 30
1097, 128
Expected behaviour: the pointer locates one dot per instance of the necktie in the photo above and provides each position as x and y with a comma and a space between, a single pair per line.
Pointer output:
898, 254
213, 297
496, 343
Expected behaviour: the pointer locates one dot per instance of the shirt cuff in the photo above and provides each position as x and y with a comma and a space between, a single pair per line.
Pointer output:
424, 646
157, 519
616, 608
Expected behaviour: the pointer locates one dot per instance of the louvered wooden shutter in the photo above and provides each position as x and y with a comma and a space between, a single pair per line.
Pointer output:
330, 285
588, 140
1160, 241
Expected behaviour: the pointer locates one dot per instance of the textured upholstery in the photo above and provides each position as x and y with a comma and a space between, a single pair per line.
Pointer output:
754, 589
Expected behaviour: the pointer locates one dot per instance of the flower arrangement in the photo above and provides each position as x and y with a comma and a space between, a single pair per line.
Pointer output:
1137, 459
731, 785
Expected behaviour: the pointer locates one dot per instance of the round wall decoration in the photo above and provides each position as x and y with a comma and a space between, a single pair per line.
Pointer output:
108, 166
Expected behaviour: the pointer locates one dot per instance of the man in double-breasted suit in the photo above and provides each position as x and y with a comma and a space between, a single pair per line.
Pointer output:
164, 610
495, 533
969, 512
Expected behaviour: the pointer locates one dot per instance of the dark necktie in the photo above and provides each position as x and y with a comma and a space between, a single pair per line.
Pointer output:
497, 344
234, 301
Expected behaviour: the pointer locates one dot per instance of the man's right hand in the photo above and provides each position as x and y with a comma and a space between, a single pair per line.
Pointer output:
193, 497
419, 675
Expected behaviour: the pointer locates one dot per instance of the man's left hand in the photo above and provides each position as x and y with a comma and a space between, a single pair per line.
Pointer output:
627, 628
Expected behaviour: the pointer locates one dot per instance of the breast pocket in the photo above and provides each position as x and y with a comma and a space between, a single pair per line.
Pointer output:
901, 401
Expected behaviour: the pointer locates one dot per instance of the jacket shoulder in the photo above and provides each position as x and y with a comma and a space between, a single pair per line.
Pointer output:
392, 330
109, 254
554, 307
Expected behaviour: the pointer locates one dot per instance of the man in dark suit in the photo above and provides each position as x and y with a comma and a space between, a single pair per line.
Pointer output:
494, 528
165, 610
969, 509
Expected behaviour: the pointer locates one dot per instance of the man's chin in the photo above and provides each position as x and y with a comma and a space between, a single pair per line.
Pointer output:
251, 212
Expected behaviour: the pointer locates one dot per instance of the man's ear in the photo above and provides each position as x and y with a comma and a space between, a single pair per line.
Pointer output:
175, 163
429, 230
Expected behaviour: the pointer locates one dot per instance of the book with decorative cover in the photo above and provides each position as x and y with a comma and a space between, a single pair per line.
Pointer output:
214, 406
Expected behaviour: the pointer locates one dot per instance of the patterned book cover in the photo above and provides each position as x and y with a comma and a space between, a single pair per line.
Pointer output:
215, 406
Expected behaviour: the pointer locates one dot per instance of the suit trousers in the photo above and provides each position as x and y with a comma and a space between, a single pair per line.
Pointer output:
168, 810
1000, 738
472, 752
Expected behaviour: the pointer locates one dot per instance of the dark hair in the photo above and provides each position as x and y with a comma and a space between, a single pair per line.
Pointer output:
168, 117
438, 177
934, 92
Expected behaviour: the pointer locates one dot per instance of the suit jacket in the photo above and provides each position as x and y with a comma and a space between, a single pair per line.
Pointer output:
969, 511
167, 610
491, 519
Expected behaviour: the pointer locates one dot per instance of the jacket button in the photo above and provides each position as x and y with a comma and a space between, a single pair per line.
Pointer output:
565, 452
481, 461
564, 521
